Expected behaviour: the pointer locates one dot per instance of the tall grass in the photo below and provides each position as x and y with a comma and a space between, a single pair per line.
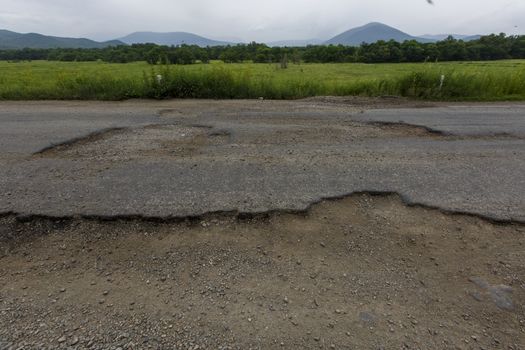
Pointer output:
98, 87
459, 85
424, 81
221, 83
428, 84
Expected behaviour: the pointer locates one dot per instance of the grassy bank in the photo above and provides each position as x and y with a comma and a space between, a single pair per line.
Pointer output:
477, 81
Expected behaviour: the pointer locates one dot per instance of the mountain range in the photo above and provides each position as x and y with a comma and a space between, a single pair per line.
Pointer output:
12, 40
368, 33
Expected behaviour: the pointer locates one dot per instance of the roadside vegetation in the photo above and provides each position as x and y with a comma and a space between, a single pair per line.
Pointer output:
475, 81
491, 47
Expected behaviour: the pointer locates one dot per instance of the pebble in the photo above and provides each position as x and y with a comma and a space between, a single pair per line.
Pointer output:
74, 341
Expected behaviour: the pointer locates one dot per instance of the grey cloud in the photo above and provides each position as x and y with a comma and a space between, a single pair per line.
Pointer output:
261, 20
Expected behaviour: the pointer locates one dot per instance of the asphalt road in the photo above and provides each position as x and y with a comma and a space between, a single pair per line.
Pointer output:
179, 158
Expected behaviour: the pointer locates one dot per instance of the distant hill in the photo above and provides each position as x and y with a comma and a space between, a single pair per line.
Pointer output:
175, 39
439, 37
12, 40
371, 33
295, 43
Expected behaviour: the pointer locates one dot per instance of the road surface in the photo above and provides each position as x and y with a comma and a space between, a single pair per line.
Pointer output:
184, 158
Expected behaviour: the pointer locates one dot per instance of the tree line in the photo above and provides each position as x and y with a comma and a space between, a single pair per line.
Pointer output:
490, 47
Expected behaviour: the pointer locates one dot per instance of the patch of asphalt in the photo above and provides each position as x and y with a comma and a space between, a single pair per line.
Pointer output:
164, 188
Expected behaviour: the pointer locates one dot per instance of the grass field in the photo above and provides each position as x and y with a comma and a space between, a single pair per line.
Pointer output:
483, 81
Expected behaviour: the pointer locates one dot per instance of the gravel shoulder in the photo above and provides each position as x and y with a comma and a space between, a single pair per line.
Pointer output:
365, 272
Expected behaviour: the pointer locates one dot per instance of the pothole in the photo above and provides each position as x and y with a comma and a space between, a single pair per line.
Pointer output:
131, 143
407, 129
169, 112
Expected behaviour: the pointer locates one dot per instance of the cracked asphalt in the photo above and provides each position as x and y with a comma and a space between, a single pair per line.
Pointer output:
182, 158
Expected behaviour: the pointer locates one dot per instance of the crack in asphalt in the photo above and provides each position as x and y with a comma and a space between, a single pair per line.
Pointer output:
242, 216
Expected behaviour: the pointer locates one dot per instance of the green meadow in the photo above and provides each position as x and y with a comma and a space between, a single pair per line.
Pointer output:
450, 81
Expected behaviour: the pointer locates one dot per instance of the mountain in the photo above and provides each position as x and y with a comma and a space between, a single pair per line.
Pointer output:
439, 37
371, 33
295, 43
175, 38
12, 40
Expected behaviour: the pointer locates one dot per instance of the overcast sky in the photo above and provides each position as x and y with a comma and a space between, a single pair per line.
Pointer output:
260, 20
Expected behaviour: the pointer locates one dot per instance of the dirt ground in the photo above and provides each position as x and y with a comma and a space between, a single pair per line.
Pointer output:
363, 272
